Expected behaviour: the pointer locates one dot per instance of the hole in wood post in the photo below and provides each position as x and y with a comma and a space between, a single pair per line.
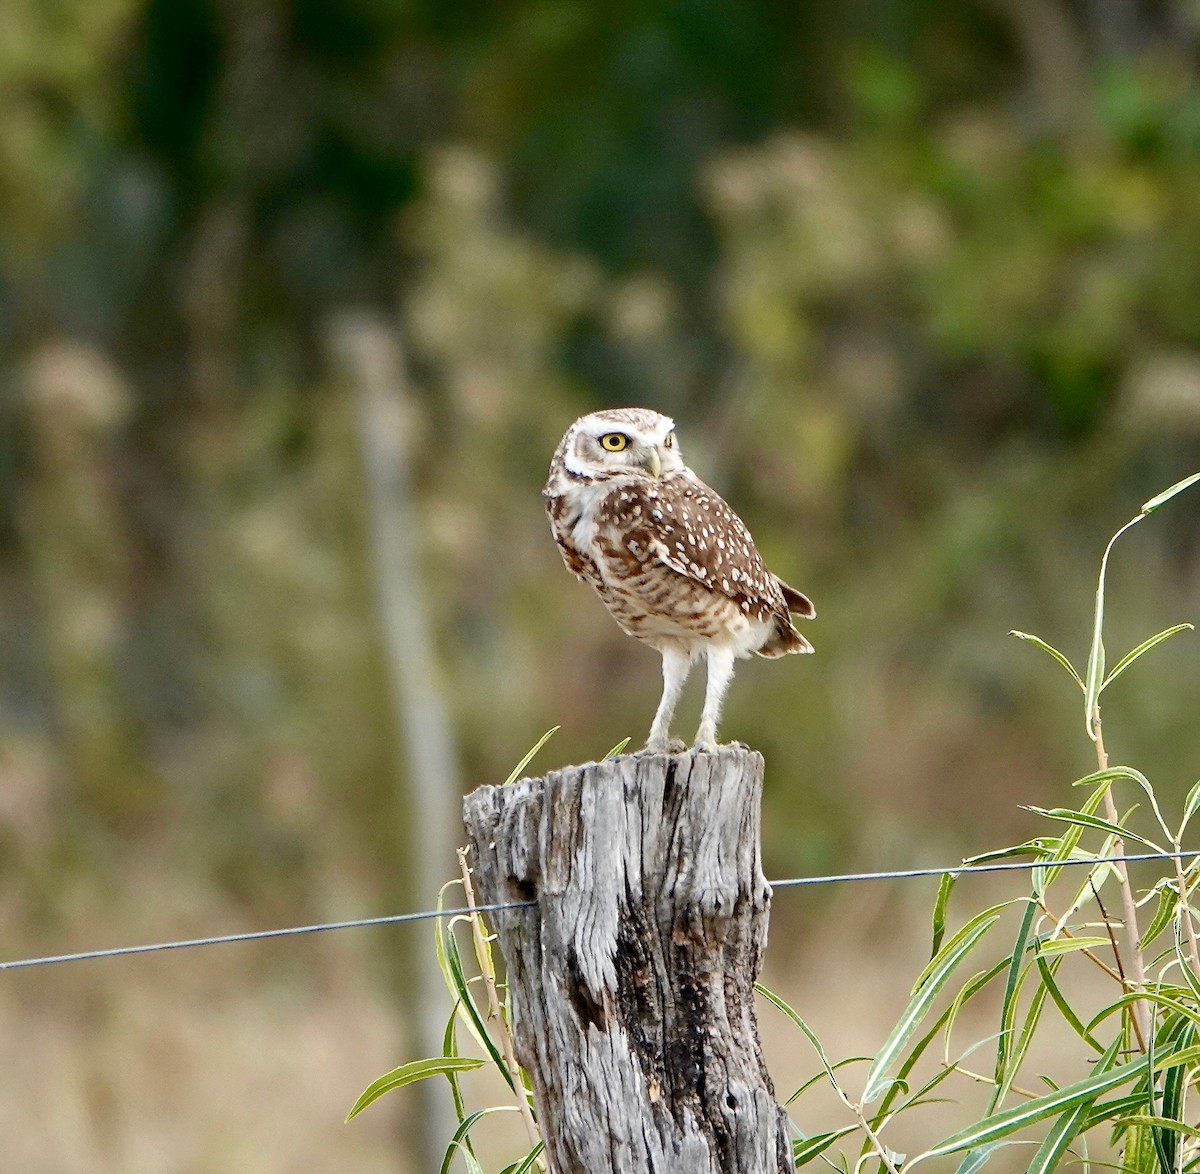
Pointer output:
586, 1006
522, 890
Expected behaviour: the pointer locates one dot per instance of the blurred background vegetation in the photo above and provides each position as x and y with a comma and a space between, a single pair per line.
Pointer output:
920, 282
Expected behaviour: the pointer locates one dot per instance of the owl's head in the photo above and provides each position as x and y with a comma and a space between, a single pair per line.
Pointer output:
634, 442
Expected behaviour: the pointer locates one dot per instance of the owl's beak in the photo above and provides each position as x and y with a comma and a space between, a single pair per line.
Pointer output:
652, 462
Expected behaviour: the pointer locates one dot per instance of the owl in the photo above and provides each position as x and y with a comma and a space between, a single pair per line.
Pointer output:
672, 562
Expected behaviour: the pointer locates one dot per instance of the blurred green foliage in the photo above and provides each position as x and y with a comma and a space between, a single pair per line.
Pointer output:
920, 281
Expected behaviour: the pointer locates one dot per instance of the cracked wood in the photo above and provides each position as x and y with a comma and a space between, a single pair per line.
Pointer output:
632, 980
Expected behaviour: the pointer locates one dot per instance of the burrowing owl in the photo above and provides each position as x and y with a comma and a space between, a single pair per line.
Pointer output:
675, 566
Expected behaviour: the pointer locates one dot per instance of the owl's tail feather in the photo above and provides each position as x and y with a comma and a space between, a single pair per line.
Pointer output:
797, 602
784, 639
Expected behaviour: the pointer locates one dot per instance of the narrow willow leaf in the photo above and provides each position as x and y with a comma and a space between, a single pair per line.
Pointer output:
936, 976
1164, 914
1021, 1116
1058, 946
1189, 807
1058, 1140
945, 888
1008, 1007
978, 1157
1038, 642
1189, 975
459, 1140
1113, 1111
526, 1163
516, 771
1164, 1123
1140, 1149
1066, 815
474, 1018
473, 1166
1171, 1106
618, 748
971, 988
444, 945
966, 930
1028, 1029
1067, 844
1166, 495
1136, 776
817, 1077
1145, 646
450, 1051
408, 1073
1048, 972
777, 1002
805, 1151
1095, 662
1147, 996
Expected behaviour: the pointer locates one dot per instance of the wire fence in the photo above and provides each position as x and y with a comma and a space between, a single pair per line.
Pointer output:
431, 914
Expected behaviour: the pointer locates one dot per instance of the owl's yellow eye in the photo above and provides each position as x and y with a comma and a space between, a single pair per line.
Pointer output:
614, 441
669, 440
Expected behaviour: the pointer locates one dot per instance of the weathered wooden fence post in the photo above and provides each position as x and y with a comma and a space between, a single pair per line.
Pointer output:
631, 981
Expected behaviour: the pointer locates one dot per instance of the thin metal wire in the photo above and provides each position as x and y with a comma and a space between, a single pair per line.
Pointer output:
258, 935
999, 866
430, 914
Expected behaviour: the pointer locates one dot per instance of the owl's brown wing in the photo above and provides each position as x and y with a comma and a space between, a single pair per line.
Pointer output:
689, 528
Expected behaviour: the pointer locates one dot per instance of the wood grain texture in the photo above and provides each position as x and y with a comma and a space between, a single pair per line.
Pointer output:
632, 979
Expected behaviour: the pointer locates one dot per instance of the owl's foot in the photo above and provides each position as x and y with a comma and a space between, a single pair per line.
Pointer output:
664, 746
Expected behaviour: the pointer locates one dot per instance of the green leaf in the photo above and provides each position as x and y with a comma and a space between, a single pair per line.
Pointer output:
1164, 914
945, 888
1095, 663
1032, 1017
526, 1163
618, 748
459, 1141
805, 1151
819, 1076
1140, 1152
460, 989
408, 1073
1145, 646
1038, 642
979, 1156
1146, 996
1056, 946
1164, 1123
1001, 1124
1189, 807
1008, 1007
516, 771
971, 988
1048, 971
1189, 976
1113, 773
450, 1051
1166, 495
934, 978
779, 1003
1066, 815
1058, 1140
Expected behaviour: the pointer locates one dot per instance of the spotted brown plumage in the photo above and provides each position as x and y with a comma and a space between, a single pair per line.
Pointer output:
675, 566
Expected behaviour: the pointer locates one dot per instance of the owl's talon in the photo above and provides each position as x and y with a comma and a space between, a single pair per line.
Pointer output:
668, 746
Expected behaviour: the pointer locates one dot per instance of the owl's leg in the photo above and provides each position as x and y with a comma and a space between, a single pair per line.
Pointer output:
675, 670
720, 673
